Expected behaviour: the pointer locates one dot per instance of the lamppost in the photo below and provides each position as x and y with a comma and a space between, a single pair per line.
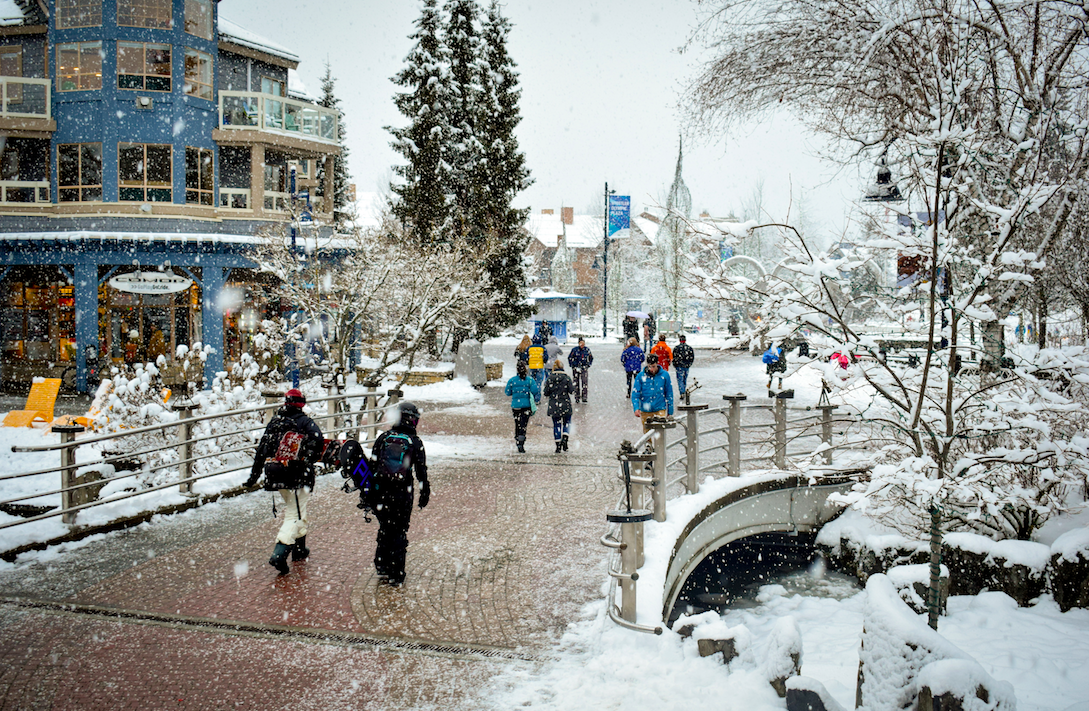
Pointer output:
605, 270
294, 269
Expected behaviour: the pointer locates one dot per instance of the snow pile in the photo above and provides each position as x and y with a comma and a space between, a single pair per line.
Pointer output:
1033, 556
1072, 545
898, 647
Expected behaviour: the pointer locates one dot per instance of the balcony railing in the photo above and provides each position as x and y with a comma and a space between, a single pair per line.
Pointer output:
25, 98
276, 114
24, 192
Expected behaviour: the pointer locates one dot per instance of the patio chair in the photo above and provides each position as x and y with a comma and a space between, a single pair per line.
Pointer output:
39, 404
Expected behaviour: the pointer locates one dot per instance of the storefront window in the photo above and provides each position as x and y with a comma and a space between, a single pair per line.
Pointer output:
242, 323
138, 328
37, 317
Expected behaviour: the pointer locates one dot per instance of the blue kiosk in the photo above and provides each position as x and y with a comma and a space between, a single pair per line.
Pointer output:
555, 310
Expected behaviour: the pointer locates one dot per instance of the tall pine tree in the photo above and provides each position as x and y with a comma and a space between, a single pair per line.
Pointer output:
501, 175
341, 177
419, 199
464, 150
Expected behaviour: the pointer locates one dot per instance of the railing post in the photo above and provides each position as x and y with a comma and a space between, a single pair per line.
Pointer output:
826, 431
631, 545
733, 434
68, 468
639, 482
333, 405
781, 428
692, 446
658, 493
185, 409
271, 398
370, 402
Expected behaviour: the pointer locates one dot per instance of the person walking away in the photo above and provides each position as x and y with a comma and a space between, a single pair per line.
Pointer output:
523, 392
775, 360
632, 359
558, 389
286, 453
536, 363
580, 359
683, 357
648, 333
552, 350
398, 453
663, 351
521, 351
652, 394
631, 328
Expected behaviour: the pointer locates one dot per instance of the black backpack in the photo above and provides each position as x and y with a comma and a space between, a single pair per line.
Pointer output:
393, 465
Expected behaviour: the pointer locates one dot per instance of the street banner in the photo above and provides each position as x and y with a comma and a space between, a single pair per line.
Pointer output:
619, 216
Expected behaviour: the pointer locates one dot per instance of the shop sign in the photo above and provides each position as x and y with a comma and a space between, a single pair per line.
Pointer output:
150, 283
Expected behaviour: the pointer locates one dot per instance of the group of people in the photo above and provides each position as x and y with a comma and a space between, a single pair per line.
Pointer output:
286, 453
529, 385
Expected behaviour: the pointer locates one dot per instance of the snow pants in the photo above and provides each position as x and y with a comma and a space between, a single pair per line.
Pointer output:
393, 513
295, 522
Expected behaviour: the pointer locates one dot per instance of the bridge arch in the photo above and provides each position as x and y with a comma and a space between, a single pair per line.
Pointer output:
780, 504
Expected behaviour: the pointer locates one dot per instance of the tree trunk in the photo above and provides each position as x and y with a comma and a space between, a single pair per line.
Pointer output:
994, 345
933, 603
1041, 319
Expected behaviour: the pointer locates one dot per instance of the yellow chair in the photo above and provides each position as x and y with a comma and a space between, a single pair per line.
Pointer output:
39, 404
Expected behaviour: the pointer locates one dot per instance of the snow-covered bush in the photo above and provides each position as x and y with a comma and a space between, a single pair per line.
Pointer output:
900, 653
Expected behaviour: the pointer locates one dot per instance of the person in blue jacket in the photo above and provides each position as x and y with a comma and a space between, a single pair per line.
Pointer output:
632, 358
652, 395
523, 391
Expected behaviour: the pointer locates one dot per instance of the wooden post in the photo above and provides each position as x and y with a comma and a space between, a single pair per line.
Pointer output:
733, 453
185, 409
692, 446
68, 468
781, 428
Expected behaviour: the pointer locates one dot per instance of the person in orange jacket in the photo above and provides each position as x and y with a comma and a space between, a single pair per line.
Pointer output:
663, 351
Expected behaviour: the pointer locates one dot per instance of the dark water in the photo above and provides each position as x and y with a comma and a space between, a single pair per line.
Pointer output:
732, 576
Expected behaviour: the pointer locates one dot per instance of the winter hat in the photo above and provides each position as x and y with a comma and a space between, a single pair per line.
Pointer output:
681, 337
558, 365
294, 398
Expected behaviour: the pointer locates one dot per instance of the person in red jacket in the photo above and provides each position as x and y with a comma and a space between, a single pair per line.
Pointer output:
663, 351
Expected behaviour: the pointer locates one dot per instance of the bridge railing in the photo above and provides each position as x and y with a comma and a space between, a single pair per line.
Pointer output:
653, 466
79, 492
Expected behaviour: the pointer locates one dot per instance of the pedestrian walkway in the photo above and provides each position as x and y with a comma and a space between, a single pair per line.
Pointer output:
185, 612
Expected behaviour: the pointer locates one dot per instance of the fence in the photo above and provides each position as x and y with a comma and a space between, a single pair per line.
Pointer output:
77, 490
646, 470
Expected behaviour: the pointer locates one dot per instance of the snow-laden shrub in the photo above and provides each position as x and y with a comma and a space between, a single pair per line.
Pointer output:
898, 648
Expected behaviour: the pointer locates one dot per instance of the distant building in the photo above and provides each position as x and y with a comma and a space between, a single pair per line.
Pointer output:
584, 236
143, 145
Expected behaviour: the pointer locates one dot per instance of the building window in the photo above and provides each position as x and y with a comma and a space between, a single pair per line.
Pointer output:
198, 18
152, 14
11, 65
79, 66
199, 176
272, 86
79, 172
78, 13
143, 172
198, 74
37, 317
143, 66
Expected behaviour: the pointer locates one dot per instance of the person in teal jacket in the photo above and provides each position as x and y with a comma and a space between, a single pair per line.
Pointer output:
523, 391
652, 394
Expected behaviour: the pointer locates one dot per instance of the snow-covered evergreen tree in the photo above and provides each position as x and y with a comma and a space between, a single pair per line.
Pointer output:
463, 151
502, 175
341, 177
420, 197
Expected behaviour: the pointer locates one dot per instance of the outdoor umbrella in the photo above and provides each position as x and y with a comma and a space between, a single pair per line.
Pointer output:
637, 314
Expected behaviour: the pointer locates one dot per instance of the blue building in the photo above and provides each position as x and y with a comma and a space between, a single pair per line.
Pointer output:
144, 147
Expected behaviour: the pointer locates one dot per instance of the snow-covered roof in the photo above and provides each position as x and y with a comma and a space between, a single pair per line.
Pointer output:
549, 295
232, 32
164, 237
585, 232
647, 227
10, 13
296, 89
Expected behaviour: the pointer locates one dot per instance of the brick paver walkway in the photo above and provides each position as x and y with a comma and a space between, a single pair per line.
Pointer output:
186, 613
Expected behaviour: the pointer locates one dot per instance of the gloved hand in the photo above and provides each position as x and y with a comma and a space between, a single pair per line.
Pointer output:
425, 493
255, 474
